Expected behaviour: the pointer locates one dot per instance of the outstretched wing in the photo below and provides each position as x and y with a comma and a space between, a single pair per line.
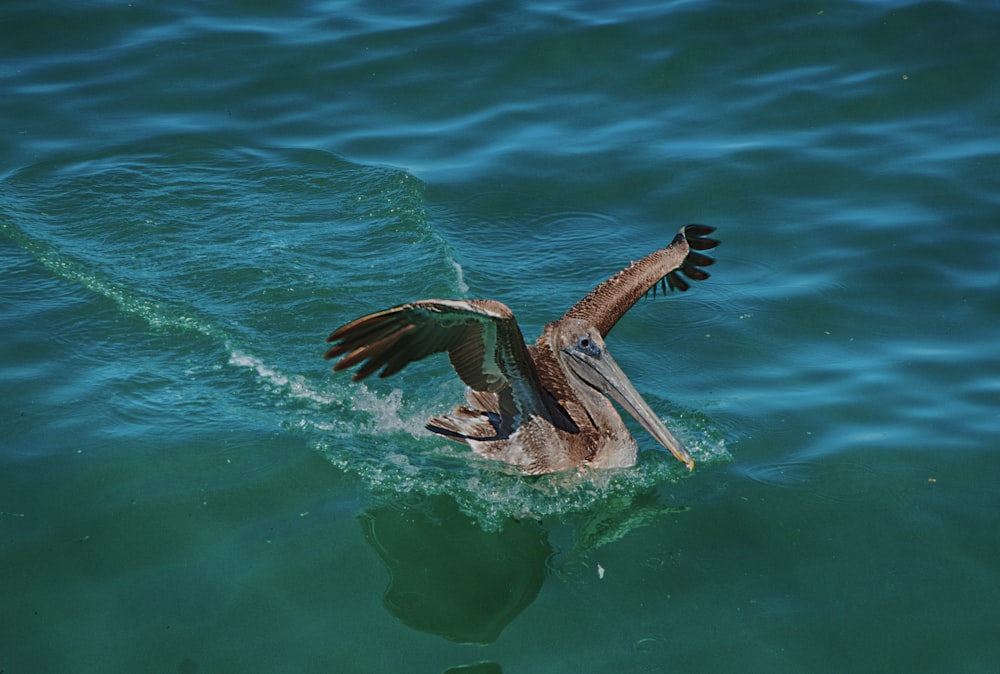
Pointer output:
481, 337
608, 302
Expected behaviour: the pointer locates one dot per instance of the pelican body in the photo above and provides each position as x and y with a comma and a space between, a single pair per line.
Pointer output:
542, 407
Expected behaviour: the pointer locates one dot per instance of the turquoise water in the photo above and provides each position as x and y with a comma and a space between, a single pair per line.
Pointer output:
192, 196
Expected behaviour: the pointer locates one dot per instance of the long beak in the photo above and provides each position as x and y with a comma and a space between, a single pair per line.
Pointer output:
604, 374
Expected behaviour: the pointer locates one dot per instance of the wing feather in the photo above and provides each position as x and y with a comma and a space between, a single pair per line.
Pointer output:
609, 301
481, 337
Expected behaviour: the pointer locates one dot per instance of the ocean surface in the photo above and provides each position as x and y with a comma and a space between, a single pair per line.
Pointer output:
193, 195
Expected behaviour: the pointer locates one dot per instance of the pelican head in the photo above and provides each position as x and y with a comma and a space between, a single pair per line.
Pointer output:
585, 356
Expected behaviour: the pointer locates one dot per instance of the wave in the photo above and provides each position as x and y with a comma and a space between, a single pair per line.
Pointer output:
262, 252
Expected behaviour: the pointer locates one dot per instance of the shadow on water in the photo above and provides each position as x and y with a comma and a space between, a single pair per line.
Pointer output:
450, 577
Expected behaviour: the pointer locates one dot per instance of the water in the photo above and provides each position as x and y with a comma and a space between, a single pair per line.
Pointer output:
192, 197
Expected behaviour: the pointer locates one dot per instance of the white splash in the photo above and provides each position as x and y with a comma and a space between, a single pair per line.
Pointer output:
296, 386
463, 287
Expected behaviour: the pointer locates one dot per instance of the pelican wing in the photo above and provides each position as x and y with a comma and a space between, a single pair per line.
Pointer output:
608, 302
481, 337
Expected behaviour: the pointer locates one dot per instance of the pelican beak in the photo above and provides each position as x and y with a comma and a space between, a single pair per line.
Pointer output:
602, 372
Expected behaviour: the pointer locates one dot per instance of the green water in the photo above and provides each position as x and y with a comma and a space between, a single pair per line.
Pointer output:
192, 198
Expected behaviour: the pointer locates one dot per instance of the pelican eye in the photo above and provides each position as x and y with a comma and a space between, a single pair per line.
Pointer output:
587, 345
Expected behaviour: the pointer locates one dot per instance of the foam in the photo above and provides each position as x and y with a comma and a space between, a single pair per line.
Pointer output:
294, 386
395, 466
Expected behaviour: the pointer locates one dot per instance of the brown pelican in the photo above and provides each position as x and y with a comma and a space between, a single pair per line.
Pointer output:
543, 407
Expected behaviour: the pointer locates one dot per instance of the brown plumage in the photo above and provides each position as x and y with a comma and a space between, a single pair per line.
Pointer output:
541, 407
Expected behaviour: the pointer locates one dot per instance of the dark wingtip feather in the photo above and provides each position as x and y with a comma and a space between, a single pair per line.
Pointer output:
697, 237
697, 240
700, 260
693, 272
695, 229
367, 342
676, 282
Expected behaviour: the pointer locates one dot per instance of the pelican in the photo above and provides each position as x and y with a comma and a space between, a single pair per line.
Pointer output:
542, 408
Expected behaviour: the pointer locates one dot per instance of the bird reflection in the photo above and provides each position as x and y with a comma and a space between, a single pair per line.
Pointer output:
449, 577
